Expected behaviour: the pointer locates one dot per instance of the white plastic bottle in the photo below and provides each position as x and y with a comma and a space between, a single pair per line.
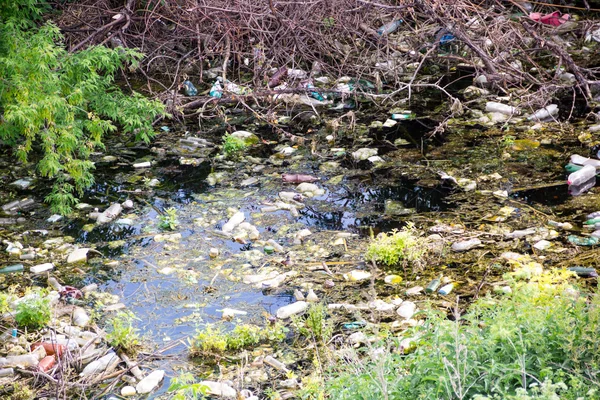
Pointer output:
492, 106
580, 160
583, 175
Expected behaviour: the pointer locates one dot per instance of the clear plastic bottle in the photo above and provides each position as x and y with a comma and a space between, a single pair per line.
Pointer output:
582, 176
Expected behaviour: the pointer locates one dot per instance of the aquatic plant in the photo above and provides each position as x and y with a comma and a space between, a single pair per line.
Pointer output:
399, 245
33, 311
168, 221
214, 340
121, 333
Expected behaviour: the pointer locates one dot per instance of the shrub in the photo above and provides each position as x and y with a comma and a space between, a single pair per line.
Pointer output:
392, 248
314, 324
58, 105
538, 343
34, 311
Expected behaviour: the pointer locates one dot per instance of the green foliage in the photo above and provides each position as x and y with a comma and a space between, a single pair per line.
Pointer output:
168, 221
329, 22
122, 334
23, 12
185, 387
538, 343
391, 248
58, 106
214, 340
22, 391
233, 146
314, 324
34, 311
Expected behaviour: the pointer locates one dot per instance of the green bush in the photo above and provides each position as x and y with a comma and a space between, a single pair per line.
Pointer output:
34, 311
58, 106
392, 248
540, 342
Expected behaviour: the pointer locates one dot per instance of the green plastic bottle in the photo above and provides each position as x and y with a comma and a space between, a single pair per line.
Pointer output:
11, 268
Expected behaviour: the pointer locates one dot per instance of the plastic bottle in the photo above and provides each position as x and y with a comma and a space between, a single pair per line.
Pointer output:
189, 88
23, 361
544, 113
433, 285
150, 382
580, 160
583, 175
292, 309
390, 27
446, 289
576, 190
492, 106
100, 365
11, 268
216, 90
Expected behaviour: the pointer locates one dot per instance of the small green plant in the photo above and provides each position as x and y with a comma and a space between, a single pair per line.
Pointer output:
399, 245
214, 340
185, 387
34, 311
508, 141
209, 340
314, 324
168, 221
243, 336
328, 22
121, 333
233, 146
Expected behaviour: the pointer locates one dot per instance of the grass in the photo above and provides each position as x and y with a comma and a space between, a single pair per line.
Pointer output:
540, 342
397, 246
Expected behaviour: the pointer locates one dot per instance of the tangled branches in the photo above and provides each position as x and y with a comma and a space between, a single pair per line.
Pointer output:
247, 40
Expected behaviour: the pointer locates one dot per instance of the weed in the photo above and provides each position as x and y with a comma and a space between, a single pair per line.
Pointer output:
33, 311
243, 336
233, 146
122, 334
214, 340
185, 387
168, 221
540, 342
392, 248
314, 324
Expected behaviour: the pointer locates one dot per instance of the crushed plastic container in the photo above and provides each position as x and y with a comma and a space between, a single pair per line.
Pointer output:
583, 175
